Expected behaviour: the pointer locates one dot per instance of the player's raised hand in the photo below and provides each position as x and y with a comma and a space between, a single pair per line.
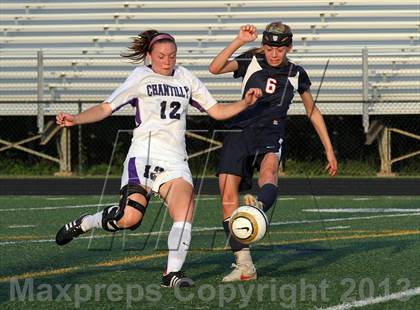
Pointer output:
252, 95
247, 33
64, 119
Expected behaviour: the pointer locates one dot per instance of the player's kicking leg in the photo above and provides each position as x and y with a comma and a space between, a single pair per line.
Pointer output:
128, 214
265, 198
267, 182
251, 200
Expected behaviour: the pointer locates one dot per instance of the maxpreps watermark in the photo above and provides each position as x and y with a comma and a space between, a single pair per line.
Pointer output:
286, 295
26, 290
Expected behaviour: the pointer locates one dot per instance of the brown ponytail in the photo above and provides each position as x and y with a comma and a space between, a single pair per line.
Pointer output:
143, 43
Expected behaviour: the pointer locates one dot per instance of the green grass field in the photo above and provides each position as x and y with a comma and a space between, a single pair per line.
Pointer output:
320, 252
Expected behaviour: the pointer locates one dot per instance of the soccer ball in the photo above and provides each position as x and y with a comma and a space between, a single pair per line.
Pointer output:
248, 224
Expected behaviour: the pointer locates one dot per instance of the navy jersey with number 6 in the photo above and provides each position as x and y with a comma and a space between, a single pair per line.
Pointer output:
278, 84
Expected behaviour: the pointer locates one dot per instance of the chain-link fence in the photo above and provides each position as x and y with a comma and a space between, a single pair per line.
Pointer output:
93, 145
369, 102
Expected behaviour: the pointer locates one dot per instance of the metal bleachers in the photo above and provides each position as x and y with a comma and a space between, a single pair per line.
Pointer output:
81, 42
205, 24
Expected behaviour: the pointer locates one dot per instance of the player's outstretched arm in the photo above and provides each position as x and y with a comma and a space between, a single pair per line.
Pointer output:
318, 122
221, 63
91, 115
225, 111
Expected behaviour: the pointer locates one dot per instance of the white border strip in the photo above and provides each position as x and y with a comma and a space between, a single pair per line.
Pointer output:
370, 301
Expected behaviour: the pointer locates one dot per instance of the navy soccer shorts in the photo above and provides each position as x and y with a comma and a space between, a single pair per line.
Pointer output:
243, 150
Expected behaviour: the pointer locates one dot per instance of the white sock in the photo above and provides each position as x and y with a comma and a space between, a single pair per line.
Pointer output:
178, 243
92, 221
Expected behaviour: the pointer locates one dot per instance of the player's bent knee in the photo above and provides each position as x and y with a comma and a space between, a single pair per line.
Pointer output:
134, 216
115, 218
130, 218
120, 217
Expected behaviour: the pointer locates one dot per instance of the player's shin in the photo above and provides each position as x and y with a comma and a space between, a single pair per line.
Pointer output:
267, 195
178, 243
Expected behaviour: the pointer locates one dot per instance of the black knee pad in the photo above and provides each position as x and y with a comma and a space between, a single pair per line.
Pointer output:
130, 189
110, 216
140, 208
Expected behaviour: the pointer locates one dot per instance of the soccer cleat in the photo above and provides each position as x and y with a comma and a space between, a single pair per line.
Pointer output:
250, 200
69, 231
176, 279
241, 272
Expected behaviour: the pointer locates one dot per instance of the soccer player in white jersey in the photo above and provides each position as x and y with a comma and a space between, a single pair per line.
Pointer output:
160, 94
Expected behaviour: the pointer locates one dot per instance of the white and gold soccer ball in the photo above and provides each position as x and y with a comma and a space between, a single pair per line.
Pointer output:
248, 224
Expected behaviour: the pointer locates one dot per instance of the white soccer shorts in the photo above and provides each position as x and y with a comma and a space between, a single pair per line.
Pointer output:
151, 173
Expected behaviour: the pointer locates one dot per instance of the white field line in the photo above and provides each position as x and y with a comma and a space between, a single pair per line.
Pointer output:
21, 226
362, 210
343, 219
363, 198
337, 227
158, 202
199, 229
376, 300
103, 204
28, 241
58, 208
152, 233
80, 206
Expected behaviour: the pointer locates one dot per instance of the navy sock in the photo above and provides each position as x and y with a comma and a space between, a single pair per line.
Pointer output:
267, 195
235, 245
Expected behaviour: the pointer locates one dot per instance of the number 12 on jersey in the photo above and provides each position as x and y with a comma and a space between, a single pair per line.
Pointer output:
173, 114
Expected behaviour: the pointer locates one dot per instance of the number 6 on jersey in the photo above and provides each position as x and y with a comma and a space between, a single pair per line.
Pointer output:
270, 87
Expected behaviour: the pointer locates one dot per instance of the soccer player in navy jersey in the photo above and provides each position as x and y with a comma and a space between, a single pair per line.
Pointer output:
160, 95
258, 132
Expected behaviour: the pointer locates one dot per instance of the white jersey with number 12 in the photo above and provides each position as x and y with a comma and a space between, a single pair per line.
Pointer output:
161, 104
